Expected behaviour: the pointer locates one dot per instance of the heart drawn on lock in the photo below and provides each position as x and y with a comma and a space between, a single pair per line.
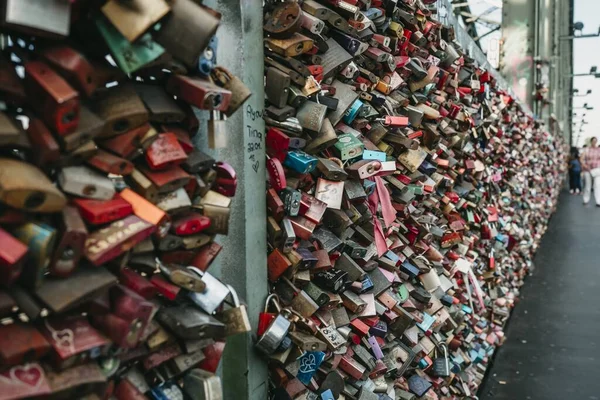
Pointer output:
255, 166
30, 375
62, 338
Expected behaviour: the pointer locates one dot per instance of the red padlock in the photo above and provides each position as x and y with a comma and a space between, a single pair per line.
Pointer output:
265, 318
12, 256
190, 224
165, 151
226, 182
55, 101
212, 357
138, 283
276, 174
97, 212
165, 288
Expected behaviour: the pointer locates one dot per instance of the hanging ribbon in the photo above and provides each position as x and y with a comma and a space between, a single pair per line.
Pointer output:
373, 204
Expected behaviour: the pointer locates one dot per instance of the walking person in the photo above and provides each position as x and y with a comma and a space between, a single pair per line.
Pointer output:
574, 171
590, 165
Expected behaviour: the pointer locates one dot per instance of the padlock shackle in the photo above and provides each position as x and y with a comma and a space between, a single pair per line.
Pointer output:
425, 260
234, 296
275, 299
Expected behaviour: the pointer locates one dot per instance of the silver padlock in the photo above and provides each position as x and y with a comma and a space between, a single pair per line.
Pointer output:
187, 322
202, 385
85, 182
275, 333
214, 294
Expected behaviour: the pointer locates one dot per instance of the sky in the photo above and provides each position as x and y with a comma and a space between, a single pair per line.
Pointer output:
491, 11
587, 54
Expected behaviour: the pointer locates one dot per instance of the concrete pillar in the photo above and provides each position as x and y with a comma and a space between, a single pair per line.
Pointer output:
242, 263
517, 55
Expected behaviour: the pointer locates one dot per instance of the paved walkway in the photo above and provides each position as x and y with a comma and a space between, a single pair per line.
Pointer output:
552, 350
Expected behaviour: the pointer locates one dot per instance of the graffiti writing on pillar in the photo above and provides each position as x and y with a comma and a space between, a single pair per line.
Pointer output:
255, 136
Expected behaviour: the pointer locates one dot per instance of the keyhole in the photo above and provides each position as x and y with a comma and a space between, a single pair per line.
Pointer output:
35, 200
89, 190
120, 125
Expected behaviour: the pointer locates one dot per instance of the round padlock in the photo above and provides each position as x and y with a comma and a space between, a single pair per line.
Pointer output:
284, 21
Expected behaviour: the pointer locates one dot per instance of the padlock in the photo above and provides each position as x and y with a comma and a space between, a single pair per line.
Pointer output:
109, 163
165, 152
129, 56
188, 322
73, 66
332, 280
137, 283
132, 22
121, 109
239, 91
26, 187
353, 302
187, 19
330, 192
73, 341
311, 116
303, 303
84, 182
11, 85
206, 255
236, 318
40, 238
12, 259
274, 334
163, 181
26, 344
300, 161
284, 20
199, 93
107, 243
53, 98
288, 236
226, 182
97, 212
60, 294
265, 318
202, 385
292, 46
71, 241
331, 170
161, 106
276, 87
12, 135
214, 295
441, 365
181, 277
47, 150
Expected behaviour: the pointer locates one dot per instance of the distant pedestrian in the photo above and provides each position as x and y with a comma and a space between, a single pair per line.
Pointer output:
590, 165
574, 171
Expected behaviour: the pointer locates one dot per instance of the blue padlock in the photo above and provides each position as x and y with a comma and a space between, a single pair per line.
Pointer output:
208, 58
167, 391
367, 284
300, 161
309, 364
428, 320
369, 187
374, 155
373, 13
352, 112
